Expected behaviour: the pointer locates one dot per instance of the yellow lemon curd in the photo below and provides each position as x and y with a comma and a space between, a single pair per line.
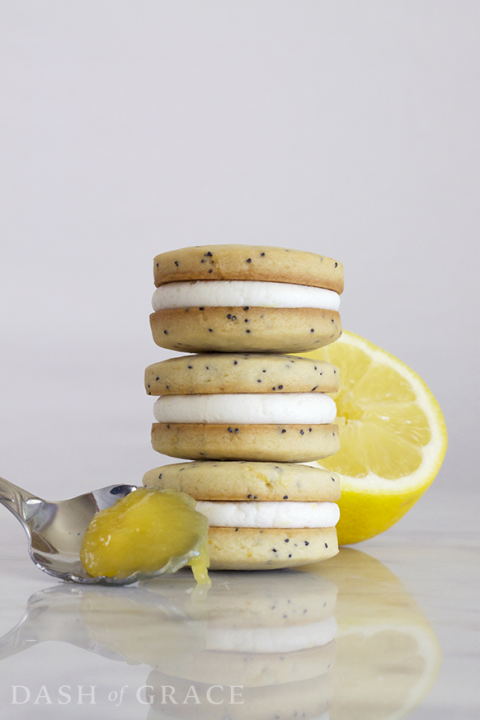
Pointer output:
145, 531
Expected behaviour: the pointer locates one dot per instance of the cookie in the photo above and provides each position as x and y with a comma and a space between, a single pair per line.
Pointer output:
281, 443
240, 373
269, 548
245, 329
247, 262
241, 481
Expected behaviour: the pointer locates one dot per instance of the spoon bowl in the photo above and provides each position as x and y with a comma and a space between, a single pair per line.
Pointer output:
55, 530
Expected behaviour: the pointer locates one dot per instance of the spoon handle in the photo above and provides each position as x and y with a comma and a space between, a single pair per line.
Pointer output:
14, 499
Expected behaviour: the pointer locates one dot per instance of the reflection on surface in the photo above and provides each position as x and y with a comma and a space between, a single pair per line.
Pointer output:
268, 639
272, 633
142, 628
127, 624
388, 657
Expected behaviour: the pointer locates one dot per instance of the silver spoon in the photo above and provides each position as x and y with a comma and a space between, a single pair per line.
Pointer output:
55, 531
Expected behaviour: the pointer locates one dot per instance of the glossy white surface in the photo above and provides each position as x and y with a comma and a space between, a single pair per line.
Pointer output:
406, 646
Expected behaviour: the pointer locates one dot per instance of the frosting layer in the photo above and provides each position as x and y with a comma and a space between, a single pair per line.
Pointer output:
241, 293
281, 514
245, 409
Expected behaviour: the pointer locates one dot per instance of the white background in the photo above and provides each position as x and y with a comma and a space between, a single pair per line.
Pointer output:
129, 128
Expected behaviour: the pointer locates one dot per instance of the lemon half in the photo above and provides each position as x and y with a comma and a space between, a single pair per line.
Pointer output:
392, 434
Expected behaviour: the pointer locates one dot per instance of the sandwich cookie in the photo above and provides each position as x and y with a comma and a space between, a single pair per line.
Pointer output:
260, 418
229, 298
265, 528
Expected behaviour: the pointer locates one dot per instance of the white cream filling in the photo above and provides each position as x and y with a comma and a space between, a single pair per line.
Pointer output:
246, 408
242, 293
280, 514
272, 640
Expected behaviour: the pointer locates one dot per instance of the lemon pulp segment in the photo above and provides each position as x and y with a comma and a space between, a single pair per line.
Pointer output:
392, 437
143, 532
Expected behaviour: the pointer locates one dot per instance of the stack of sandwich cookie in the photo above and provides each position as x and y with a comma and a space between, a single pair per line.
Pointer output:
247, 405
235, 298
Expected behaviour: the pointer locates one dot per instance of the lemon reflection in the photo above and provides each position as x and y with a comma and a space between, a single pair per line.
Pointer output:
388, 656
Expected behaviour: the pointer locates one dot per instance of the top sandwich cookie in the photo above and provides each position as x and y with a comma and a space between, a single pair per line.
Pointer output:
234, 298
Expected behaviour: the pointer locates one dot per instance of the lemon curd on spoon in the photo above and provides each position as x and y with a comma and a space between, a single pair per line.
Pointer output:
145, 531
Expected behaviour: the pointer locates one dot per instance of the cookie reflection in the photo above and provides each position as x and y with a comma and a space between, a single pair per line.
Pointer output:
270, 640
